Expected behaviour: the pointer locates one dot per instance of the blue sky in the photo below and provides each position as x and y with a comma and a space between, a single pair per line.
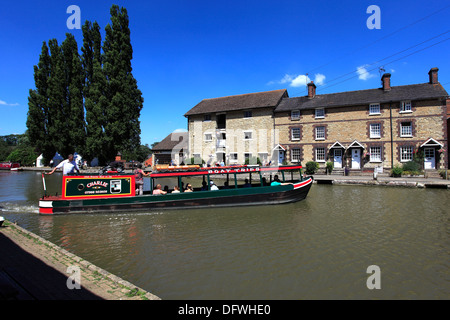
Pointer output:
186, 51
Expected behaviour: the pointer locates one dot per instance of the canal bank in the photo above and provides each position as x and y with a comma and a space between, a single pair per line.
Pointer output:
411, 182
33, 268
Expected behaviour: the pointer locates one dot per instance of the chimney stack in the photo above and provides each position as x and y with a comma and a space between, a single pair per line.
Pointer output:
433, 73
386, 81
311, 90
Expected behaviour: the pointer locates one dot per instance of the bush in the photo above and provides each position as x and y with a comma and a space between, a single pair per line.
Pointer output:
311, 167
397, 171
443, 173
197, 160
411, 166
253, 160
330, 166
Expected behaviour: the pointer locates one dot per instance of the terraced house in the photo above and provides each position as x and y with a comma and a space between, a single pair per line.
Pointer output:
359, 130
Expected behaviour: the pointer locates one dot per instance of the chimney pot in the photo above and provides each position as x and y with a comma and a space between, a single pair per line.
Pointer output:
433, 74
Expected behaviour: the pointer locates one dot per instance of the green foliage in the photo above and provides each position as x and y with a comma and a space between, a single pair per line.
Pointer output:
25, 155
253, 160
90, 103
197, 160
397, 171
411, 166
311, 167
330, 166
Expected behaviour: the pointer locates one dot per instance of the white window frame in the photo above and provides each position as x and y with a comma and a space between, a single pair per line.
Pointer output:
206, 137
296, 157
295, 115
232, 156
245, 135
375, 130
406, 153
374, 109
320, 154
375, 154
405, 106
405, 132
319, 135
263, 157
320, 113
292, 134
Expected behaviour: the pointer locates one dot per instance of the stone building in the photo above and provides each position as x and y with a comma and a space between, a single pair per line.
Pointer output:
359, 130
232, 129
367, 128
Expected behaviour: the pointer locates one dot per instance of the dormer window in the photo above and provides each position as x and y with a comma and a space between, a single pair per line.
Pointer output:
247, 114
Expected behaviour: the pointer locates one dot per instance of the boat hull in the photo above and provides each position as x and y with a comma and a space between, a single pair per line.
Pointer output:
187, 200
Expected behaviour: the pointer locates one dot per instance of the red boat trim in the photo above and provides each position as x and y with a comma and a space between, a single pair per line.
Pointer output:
46, 210
302, 184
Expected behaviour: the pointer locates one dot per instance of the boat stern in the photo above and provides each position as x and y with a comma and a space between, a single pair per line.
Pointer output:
45, 206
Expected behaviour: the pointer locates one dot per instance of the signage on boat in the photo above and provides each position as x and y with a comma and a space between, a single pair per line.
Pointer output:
98, 186
237, 170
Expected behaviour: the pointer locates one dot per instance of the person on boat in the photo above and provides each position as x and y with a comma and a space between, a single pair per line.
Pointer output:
139, 178
276, 182
204, 186
247, 184
158, 190
213, 186
225, 185
69, 166
188, 188
176, 189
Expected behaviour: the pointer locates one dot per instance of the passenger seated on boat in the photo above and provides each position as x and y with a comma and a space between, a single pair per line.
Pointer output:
225, 185
166, 189
176, 189
204, 186
246, 184
213, 186
188, 188
276, 182
158, 190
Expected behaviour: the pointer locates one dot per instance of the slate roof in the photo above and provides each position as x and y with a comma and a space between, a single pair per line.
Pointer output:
350, 98
169, 142
239, 102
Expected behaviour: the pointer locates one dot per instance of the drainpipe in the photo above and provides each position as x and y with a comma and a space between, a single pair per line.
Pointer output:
392, 143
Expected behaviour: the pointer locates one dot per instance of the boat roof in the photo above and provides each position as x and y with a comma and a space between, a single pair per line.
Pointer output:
223, 170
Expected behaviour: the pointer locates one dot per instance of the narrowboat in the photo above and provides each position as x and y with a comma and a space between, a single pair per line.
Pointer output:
117, 192
9, 165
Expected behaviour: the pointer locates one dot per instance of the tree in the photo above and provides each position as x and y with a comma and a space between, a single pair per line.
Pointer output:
125, 102
94, 91
38, 117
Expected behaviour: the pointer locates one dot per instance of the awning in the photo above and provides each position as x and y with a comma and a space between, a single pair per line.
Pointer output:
355, 144
432, 143
279, 147
337, 144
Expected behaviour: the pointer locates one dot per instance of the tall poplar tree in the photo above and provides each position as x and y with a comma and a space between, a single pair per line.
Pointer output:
38, 119
94, 91
125, 101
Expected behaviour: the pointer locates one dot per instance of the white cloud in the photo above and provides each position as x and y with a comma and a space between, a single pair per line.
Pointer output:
299, 80
3, 103
179, 130
362, 72
319, 79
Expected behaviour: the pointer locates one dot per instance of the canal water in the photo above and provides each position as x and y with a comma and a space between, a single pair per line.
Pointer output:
319, 248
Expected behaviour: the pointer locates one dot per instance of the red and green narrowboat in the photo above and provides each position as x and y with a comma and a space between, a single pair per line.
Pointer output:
110, 193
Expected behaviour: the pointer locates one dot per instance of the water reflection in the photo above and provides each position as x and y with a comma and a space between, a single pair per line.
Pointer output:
315, 249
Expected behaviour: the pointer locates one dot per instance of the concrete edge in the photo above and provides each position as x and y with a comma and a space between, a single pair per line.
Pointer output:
85, 263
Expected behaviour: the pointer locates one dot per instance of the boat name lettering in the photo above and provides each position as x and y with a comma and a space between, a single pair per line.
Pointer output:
97, 183
217, 171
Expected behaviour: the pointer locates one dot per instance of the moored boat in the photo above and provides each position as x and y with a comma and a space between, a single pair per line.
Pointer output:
9, 165
117, 192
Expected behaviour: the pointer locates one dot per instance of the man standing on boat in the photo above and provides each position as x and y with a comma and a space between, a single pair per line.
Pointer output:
69, 166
